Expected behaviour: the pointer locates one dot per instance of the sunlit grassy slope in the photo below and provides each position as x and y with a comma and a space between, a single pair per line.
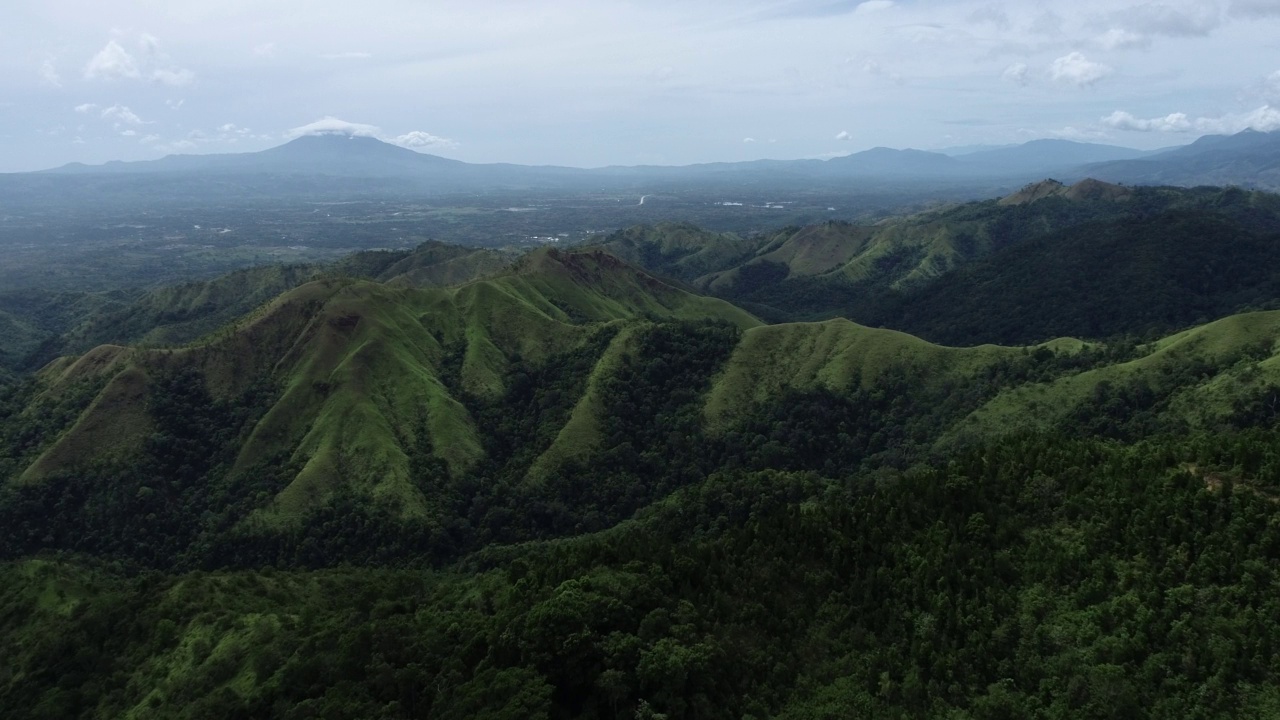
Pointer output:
362, 367
361, 370
897, 253
1203, 371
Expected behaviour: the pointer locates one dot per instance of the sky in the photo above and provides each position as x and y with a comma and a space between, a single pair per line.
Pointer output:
605, 82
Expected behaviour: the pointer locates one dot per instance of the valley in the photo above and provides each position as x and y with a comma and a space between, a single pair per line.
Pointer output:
1006, 457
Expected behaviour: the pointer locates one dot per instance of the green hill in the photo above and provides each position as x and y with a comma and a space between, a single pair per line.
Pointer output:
342, 385
1087, 260
570, 382
567, 487
41, 326
678, 250
1141, 276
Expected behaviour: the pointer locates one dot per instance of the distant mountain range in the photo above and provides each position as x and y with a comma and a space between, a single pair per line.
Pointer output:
356, 156
1250, 159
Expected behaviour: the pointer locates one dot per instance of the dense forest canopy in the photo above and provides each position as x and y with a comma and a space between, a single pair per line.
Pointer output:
433, 483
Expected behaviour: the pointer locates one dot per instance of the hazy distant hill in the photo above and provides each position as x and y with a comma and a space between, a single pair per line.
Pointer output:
343, 156
891, 162
1046, 157
340, 155
1249, 159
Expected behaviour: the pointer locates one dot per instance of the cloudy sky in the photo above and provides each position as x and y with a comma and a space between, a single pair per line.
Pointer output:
596, 82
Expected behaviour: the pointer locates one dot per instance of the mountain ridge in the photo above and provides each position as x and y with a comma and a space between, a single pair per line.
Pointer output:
354, 156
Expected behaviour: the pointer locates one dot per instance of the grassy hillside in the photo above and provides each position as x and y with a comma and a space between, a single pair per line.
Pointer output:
1048, 261
572, 384
573, 489
41, 326
679, 250
1198, 380
344, 386
836, 355
1143, 275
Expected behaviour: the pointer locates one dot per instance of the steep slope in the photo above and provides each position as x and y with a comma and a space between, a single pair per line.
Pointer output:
570, 390
367, 375
1051, 258
1149, 272
896, 253
1198, 379
678, 250
355, 421
435, 264
839, 356
47, 325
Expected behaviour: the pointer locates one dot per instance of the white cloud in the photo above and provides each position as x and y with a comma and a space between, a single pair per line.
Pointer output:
49, 74
871, 6
163, 69
266, 50
174, 104
420, 139
86, 108
333, 126
230, 132
349, 55
1265, 119
1253, 9
748, 140
148, 140
1118, 39
1173, 122
1078, 134
176, 77
844, 135
122, 115
112, 63
129, 133
1075, 69
1017, 73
